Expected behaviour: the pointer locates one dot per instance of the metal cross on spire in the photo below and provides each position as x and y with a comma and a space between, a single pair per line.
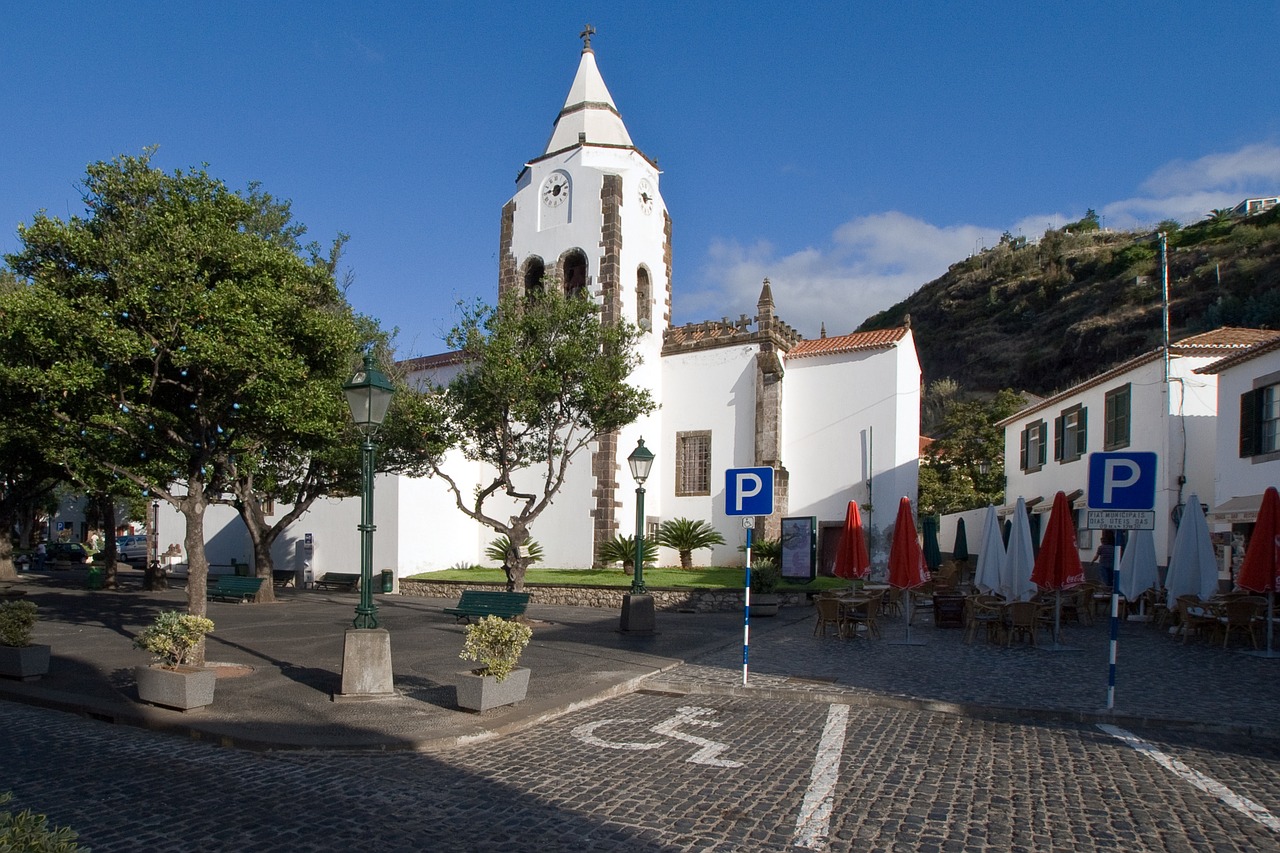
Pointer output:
587, 32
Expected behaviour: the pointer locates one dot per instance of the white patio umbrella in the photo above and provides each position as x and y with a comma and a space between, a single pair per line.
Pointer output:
1192, 567
1015, 580
991, 554
1138, 565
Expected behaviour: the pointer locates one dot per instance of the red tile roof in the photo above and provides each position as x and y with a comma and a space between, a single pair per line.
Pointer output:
429, 362
878, 339
1261, 348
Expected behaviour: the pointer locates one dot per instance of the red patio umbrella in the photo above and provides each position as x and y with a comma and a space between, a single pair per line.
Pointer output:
907, 568
1057, 566
852, 560
1261, 567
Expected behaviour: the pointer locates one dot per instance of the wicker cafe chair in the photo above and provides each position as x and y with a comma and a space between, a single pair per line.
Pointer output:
1194, 615
1023, 620
1241, 614
865, 613
985, 612
829, 613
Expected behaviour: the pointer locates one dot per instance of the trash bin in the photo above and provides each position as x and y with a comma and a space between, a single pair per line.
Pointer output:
388, 580
95, 578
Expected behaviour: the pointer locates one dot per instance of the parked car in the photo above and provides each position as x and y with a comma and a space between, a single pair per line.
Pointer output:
67, 552
132, 549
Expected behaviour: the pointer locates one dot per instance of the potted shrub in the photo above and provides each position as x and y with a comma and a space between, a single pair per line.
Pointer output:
496, 644
172, 681
19, 657
765, 599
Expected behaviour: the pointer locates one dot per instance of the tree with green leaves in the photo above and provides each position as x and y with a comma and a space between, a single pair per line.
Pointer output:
171, 332
687, 535
543, 378
964, 467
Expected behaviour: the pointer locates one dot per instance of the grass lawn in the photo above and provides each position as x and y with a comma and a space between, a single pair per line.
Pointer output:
701, 578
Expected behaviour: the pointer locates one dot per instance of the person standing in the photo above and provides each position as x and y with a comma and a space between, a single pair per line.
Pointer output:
41, 553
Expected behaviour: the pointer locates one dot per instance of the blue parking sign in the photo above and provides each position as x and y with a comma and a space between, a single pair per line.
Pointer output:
1122, 481
748, 491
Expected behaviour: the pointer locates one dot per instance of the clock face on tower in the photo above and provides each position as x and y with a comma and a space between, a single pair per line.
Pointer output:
555, 189
646, 197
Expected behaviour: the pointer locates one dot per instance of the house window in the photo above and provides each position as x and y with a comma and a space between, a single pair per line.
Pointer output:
693, 462
1115, 433
1260, 421
1034, 438
1070, 430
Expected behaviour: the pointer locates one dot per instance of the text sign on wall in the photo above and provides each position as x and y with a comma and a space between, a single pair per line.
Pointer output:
1122, 481
748, 491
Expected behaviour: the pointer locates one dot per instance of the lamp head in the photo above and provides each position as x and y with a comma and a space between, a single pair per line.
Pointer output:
640, 460
369, 394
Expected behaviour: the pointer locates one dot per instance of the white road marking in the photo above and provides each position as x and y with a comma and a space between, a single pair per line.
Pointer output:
814, 822
710, 749
685, 716
1210, 786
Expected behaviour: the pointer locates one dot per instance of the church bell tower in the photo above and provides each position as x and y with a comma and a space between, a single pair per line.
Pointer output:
588, 218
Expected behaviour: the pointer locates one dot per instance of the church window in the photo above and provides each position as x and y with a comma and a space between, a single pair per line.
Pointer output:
644, 300
693, 462
575, 274
534, 271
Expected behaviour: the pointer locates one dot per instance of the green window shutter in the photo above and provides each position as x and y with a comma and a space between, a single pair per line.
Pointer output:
1044, 441
1082, 433
1058, 426
1023, 461
1250, 422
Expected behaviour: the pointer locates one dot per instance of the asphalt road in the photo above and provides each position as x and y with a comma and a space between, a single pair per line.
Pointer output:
657, 772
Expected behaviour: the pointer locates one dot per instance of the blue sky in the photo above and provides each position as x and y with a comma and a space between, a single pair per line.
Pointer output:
849, 151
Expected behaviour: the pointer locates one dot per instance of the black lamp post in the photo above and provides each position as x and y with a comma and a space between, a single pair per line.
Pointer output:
368, 394
640, 460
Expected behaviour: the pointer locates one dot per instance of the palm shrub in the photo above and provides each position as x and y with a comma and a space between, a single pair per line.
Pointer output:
766, 552
496, 644
686, 536
622, 549
29, 831
497, 550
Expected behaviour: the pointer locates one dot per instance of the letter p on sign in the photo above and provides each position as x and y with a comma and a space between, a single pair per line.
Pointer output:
1122, 481
748, 491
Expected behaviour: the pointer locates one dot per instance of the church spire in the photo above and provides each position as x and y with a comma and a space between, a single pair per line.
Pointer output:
589, 115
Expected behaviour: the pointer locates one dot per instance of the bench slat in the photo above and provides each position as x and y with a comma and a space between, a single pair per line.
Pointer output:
479, 603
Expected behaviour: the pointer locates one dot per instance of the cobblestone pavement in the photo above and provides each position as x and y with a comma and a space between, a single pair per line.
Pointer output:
654, 772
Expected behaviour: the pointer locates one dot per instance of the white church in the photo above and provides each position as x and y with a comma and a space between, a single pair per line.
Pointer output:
837, 418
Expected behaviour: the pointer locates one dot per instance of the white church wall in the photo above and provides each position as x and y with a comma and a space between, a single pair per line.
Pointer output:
708, 390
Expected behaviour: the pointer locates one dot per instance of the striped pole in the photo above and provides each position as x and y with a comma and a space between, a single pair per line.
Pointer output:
746, 610
1115, 626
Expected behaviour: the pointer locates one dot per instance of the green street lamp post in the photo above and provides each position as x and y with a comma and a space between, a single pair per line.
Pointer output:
637, 605
640, 460
369, 395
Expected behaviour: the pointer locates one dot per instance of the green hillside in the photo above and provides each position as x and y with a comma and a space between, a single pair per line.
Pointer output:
1041, 317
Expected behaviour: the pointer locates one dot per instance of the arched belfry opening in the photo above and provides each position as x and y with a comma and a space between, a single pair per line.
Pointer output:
644, 299
574, 273
534, 271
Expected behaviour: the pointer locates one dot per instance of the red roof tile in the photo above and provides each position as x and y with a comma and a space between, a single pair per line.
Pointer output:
1261, 348
878, 339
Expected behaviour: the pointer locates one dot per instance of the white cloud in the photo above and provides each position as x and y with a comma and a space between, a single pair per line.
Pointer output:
873, 262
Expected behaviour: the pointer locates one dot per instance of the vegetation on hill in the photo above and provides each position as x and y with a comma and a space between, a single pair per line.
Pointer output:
1040, 317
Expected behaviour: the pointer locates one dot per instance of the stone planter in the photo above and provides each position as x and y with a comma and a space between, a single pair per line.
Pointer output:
25, 663
482, 692
765, 603
183, 687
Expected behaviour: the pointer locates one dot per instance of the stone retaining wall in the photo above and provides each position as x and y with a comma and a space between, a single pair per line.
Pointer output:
696, 600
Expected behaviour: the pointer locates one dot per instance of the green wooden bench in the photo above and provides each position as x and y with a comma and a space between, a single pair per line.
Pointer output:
477, 603
233, 588
347, 581
283, 577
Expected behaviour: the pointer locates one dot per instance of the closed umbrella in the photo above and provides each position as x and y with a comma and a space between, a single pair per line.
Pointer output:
1193, 570
1015, 582
1057, 566
960, 550
852, 560
1261, 567
907, 569
991, 554
1138, 571
932, 551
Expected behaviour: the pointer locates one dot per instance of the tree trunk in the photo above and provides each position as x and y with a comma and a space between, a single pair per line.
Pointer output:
192, 508
264, 566
516, 563
686, 559
109, 546
7, 571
